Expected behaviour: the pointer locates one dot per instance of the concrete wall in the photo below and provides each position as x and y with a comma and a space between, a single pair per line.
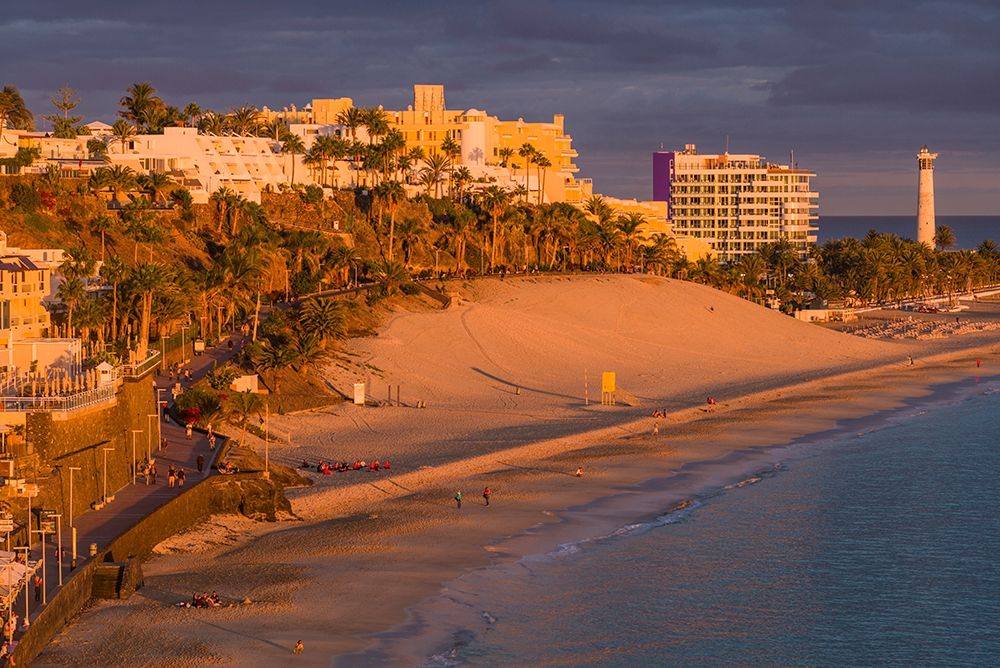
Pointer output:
215, 495
59, 441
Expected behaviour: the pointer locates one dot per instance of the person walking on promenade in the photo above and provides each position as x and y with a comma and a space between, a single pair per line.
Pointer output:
208, 428
171, 477
201, 463
38, 588
458, 500
180, 477
211, 441
298, 648
152, 472
190, 429
486, 495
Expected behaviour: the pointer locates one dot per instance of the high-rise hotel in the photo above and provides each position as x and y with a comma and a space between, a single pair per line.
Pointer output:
735, 202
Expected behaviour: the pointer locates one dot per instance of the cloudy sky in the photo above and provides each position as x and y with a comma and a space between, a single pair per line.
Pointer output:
855, 87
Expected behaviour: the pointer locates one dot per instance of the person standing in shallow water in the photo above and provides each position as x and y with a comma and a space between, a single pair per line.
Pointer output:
486, 495
458, 500
298, 647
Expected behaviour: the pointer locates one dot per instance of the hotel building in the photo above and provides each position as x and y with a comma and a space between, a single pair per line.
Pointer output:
738, 203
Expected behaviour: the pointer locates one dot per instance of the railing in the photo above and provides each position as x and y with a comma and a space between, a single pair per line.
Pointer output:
70, 402
141, 368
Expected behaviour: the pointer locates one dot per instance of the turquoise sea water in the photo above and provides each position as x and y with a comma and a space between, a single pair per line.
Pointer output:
876, 546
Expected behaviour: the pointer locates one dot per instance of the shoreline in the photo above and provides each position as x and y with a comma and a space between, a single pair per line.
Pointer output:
410, 517
660, 500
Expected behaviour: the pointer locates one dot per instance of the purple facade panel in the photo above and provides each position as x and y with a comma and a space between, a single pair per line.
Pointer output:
663, 164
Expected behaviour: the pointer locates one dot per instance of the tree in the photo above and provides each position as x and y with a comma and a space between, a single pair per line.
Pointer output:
71, 292
494, 201
64, 125
433, 173
140, 104
944, 237
101, 225
123, 132
293, 145
274, 358
145, 281
528, 154
191, 114
324, 318
98, 148
13, 112
391, 193
542, 163
242, 405
156, 184
120, 179
629, 226
244, 121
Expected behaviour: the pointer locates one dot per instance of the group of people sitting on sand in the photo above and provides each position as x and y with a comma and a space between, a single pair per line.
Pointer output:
205, 600
327, 468
227, 468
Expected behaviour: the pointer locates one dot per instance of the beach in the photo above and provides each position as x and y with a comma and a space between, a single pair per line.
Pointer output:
506, 374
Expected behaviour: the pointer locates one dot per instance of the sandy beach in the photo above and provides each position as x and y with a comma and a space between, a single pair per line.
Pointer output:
505, 374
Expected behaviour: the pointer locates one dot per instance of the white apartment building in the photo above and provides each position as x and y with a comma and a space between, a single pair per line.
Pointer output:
737, 203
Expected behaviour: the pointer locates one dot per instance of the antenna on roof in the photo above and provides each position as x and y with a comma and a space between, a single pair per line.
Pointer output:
727, 143
661, 146
791, 158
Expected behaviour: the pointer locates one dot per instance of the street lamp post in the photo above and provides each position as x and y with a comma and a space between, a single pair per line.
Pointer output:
134, 432
149, 434
72, 529
267, 459
59, 545
44, 578
104, 498
27, 558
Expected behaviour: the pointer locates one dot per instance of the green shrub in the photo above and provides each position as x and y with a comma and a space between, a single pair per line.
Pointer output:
222, 377
25, 198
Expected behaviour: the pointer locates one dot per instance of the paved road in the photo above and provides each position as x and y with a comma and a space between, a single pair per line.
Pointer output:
134, 501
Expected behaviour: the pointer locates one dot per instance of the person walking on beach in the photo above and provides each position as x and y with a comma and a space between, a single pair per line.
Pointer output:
458, 500
298, 648
201, 463
486, 495
579, 472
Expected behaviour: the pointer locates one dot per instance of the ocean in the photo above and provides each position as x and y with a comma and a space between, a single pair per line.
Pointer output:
875, 544
970, 231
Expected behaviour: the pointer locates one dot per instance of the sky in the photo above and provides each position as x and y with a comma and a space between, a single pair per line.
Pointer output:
853, 87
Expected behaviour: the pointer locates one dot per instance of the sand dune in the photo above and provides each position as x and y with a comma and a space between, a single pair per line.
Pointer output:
665, 339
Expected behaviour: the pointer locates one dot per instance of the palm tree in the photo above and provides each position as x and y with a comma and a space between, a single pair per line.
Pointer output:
242, 405
212, 123
433, 173
352, 118
156, 184
71, 292
119, 178
274, 358
191, 114
115, 272
101, 225
461, 177
629, 226
307, 350
244, 121
542, 163
944, 237
392, 275
145, 281
13, 112
137, 102
323, 318
494, 201
505, 154
123, 132
528, 153
293, 145
377, 122
97, 148
391, 193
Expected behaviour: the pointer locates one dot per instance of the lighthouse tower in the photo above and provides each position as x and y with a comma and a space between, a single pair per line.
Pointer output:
925, 197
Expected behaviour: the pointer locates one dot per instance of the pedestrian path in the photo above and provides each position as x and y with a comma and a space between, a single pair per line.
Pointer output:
132, 502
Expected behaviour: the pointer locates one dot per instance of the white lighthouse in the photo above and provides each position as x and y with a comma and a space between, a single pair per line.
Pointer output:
925, 197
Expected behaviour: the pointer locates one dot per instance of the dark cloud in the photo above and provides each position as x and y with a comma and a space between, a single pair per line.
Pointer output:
853, 86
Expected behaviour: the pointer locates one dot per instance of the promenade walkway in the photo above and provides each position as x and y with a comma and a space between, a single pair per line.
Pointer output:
133, 501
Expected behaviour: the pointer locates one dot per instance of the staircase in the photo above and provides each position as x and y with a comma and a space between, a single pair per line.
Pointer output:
107, 580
